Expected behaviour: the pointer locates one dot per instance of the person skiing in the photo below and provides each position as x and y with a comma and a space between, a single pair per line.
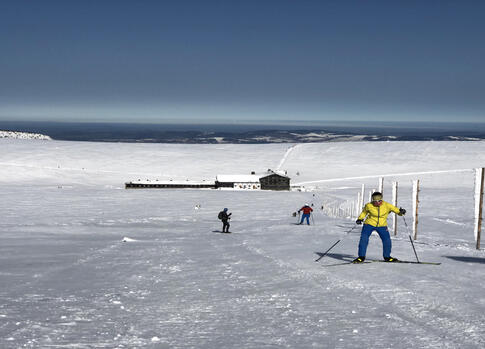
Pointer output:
307, 210
225, 217
376, 212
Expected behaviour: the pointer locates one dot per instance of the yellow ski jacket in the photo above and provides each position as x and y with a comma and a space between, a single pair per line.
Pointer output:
377, 216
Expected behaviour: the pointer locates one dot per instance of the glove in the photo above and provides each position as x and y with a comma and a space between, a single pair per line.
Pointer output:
402, 211
358, 221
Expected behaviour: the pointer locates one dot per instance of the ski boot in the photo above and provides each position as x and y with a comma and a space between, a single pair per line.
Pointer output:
359, 260
391, 259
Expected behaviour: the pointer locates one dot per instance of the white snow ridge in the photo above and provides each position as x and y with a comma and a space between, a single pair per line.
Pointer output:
23, 135
127, 239
74, 273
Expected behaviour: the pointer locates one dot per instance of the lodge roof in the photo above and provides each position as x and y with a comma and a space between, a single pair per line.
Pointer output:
274, 173
253, 178
179, 182
238, 178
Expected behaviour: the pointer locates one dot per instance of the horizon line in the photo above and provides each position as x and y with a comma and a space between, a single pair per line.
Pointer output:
248, 123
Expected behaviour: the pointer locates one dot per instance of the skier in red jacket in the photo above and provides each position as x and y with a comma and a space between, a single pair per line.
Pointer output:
307, 210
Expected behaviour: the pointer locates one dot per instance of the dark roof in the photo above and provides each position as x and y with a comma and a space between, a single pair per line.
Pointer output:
274, 174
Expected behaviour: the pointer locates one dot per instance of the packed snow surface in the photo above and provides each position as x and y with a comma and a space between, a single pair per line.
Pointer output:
85, 263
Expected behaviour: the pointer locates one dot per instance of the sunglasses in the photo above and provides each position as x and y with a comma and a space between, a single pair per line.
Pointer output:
377, 201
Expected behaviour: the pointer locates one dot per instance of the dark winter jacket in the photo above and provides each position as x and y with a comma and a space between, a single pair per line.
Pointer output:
224, 216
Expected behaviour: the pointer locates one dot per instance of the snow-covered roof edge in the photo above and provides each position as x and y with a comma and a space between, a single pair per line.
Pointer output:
238, 178
178, 182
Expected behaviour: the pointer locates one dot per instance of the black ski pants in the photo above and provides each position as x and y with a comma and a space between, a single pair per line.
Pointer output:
225, 226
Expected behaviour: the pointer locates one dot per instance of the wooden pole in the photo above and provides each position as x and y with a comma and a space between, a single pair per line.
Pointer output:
381, 185
415, 208
394, 202
358, 207
479, 181
479, 230
362, 192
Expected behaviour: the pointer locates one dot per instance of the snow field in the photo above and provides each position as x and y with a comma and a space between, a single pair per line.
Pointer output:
69, 280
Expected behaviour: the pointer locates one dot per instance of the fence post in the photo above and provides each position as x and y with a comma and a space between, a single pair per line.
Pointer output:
381, 185
370, 194
394, 202
361, 203
479, 179
415, 207
358, 207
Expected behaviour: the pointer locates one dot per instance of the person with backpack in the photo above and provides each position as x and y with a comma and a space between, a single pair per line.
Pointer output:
376, 212
307, 210
225, 217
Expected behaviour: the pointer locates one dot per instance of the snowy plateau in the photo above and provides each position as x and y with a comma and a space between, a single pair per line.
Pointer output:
85, 263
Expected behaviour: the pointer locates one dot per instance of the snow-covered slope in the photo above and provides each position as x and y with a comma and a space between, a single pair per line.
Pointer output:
91, 163
87, 264
23, 135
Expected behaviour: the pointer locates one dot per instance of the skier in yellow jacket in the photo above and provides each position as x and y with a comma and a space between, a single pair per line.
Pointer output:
376, 212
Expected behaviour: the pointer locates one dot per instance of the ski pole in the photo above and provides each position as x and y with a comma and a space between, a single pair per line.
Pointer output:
412, 243
313, 221
323, 255
348, 232
411, 239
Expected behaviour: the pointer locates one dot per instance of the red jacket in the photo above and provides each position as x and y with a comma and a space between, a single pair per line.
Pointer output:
306, 209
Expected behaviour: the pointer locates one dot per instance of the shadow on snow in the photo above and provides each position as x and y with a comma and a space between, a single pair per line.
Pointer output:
467, 259
338, 256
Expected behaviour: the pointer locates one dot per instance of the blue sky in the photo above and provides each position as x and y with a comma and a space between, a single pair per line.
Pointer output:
242, 61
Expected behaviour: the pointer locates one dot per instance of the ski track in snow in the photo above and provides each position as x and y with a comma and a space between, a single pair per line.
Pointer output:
383, 175
73, 169
311, 303
395, 304
285, 156
449, 221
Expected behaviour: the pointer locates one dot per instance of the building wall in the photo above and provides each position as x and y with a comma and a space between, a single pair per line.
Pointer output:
275, 182
224, 185
247, 186
168, 186
270, 182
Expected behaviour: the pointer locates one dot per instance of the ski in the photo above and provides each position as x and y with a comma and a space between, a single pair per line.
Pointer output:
400, 261
367, 261
343, 263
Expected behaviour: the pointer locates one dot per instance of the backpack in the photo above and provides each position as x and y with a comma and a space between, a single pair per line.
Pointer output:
220, 215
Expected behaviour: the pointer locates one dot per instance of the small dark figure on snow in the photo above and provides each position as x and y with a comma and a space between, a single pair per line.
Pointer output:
225, 217
376, 212
307, 210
